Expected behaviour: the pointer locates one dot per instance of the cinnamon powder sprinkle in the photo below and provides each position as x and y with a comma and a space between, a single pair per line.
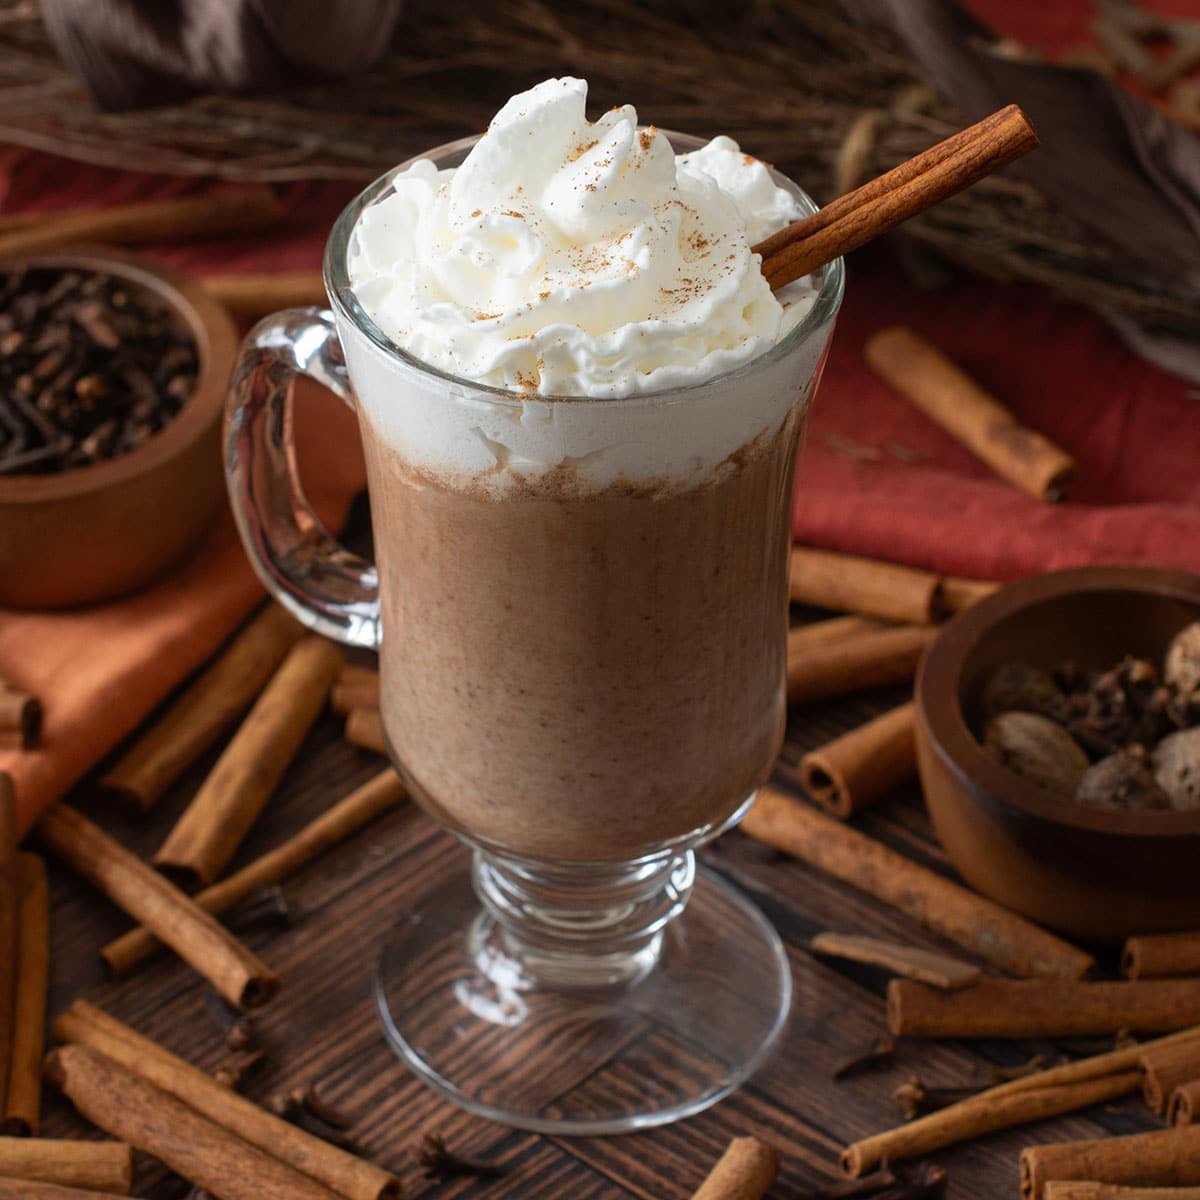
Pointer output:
508, 212
646, 137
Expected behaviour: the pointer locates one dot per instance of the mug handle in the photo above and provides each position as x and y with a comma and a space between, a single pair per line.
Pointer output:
309, 572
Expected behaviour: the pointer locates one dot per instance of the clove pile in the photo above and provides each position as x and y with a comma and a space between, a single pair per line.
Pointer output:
1126, 738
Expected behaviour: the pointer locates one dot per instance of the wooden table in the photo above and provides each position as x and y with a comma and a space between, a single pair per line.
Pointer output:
323, 1027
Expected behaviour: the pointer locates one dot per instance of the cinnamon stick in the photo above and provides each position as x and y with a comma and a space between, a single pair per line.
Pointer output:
22, 1105
861, 767
100, 1166
951, 398
1164, 1068
856, 664
1184, 1105
205, 709
156, 903
215, 213
1156, 955
988, 931
1087, 1189
127, 1106
743, 1172
956, 593
869, 586
20, 717
912, 962
984, 1113
362, 805
229, 801
1045, 1008
256, 295
802, 638
1165, 1159
923, 181
364, 727
356, 687
84, 1025
26, 1189
10, 901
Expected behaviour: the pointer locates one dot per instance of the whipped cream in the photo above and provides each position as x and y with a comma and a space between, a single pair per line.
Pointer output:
574, 258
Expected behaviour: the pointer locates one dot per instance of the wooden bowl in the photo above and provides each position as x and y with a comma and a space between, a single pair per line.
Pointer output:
93, 533
1088, 872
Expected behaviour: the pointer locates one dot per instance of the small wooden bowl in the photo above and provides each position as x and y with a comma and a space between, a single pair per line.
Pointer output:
1088, 872
93, 533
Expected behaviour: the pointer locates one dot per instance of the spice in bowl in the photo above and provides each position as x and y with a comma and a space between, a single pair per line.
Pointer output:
90, 368
1126, 739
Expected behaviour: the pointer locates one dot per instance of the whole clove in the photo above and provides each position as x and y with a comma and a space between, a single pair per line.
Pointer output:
239, 1029
265, 907
291, 1106
880, 1053
852, 1189
438, 1161
233, 1075
311, 1099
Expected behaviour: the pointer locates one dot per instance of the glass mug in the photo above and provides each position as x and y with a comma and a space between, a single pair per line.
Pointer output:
582, 663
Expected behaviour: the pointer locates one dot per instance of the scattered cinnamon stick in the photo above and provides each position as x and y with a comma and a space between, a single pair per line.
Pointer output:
205, 709
984, 1113
256, 295
216, 213
950, 397
1045, 1008
10, 904
149, 898
912, 187
802, 638
100, 1166
229, 801
1184, 1105
126, 1105
845, 582
1086, 1189
857, 664
1164, 1068
937, 970
438, 1161
20, 717
85, 1026
356, 687
863, 766
364, 727
1165, 1159
743, 1172
989, 932
25, 1189
955, 593
362, 805
22, 1105
1162, 954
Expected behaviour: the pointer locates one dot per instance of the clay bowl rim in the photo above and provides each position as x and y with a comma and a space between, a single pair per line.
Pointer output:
216, 340
940, 712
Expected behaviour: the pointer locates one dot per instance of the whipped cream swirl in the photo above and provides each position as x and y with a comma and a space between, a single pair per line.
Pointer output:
574, 258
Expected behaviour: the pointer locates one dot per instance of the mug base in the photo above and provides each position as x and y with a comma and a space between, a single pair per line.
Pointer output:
584, 1060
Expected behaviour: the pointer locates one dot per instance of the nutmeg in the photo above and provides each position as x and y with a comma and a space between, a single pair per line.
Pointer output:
1182, 667
1120, 782
1019, 687
1039, 750
1176, 763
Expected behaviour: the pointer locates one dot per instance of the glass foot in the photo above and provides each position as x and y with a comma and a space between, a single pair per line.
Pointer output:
689, 1023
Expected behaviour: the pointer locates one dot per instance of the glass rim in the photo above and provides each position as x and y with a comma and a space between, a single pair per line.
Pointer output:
341, 294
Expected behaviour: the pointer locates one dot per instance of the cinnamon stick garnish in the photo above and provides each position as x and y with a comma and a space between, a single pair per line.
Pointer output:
981, 1114
20, 717
1045, 1008
259, 294
1184, 1105
25, 1189
362, 805
215, 213
950, 397
229, 801
10, 902
1163, 954
356, 687
903, 192
1087, 1189
1166, 1159
22, 1105
364, 727
988, 931
84, 1025
1164, 1068
856, 664
99, 1166
912, 962
861, 767
156, 903
127, 1106
956, 593
847, 583
743, 1172
205, 709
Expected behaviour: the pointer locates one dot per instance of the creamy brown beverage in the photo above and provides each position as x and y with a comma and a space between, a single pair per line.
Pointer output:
580, 471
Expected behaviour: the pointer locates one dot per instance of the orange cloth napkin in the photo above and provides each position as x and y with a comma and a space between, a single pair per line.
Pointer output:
98, 672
